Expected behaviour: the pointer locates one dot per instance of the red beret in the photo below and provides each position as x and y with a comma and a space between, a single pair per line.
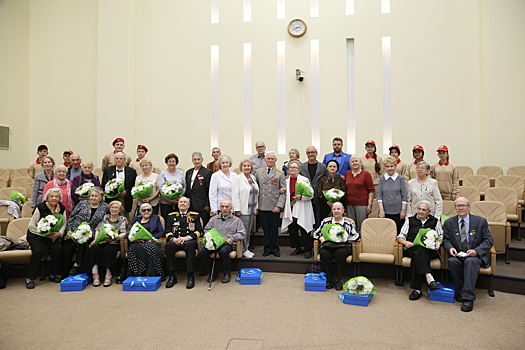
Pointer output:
118, 139
68, 151
142, 147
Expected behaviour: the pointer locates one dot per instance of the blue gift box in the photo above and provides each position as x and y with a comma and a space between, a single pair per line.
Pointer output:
315, 282
353, 299
445, 294
141, 284
75, 283
250, 276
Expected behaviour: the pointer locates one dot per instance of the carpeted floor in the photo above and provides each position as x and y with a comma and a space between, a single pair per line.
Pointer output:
278, 314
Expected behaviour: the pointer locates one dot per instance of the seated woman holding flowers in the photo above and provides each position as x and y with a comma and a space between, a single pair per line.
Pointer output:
416, 249
45, 232
85, 177
335, 244
104, 248
148, 177
332, 180
91, 212
145, 256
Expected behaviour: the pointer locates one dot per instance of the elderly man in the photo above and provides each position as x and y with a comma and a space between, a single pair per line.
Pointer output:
109, 158
36, 166
120, 170
183, 228
342, 158
232, 229
272, 188
419, 255
468, 241
314, 171
258, 158
198, 187
75, 169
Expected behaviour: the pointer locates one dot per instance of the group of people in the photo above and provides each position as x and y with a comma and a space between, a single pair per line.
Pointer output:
216, 197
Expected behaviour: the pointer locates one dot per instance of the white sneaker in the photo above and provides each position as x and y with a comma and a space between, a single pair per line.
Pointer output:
247, 254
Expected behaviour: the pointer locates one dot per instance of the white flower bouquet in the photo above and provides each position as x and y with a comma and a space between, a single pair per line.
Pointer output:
138, 232
49, 224
107, 231
333, 195
82, 234
213, 240
334, 233
428, 238
114, 187
359, 286
172, 190
304, 188
142, 190
84, 190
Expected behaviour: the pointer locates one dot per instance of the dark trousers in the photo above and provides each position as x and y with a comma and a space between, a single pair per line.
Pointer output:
224, 254
465, 273
419, 264
306, 239
337, 255
316, 205
69, 249
189, 248
397, 220
270, 224
38, 249
103, 255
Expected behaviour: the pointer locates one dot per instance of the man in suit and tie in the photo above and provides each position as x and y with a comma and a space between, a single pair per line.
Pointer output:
198, 187
272, 188
468, 240
342, 158
314, 171
120, 170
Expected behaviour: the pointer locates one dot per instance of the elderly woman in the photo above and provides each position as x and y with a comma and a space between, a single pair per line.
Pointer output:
327, 182
60, 181
293, 155
148, 176
214, 165
172, 174
372, 163
446, 174
50, 206
92, 212
392, 194
145, 257
105, 253
41, 180
420, 256
359, 192
245, 194
424, 188
85, 176
298, 213
221, 184
337, 253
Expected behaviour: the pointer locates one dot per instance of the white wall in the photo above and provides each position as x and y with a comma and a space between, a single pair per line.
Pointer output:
79, 73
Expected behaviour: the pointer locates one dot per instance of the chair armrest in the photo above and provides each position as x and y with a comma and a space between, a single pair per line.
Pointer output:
239, 248
316, 248
162, 243
398, 253
493, 260
356, 250
520, 212
507, 233
123, 246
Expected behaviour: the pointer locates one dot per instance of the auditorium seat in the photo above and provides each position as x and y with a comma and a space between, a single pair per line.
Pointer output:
448, 209
491, 171
464, 171
5, 219
470, 193
16, 229
5, 193
4, 175
27, 211
509, 198
20, 172
23, 181
3, 182
481, 182
512, 181
517, 170
435, 264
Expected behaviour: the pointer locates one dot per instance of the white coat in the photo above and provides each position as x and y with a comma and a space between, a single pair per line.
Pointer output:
220, 189
302, 209
241, 193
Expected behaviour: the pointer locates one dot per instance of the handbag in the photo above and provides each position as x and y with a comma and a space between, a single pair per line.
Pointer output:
333, 245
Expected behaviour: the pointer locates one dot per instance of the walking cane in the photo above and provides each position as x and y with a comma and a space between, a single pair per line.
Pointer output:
212, 267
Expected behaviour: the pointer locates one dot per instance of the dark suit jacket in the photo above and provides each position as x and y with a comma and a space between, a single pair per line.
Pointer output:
129, 181
199, 192
155, 225
319, 173
481, 239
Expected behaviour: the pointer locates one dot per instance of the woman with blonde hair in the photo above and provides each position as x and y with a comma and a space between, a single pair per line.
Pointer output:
221, 184
148, 176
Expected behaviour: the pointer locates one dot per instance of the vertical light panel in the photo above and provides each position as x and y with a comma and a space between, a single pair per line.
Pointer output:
385, 6
350, 7
280, 9
387, 94
314, 8
281, 104
247, 14
247, 98
214, 95
350, 97
214, 11
316, 139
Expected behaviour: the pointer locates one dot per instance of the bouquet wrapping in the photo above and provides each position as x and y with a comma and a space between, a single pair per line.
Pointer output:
172, 190
84, 190
18, 198
333, 195
82, 234
114, 187
213, 240
428, 238
303, 188
139, 232
142, 190
359, 286
334, 233
107, 231
49, 224
444, 218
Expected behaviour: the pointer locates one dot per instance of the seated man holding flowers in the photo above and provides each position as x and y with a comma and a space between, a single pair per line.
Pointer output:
421, 235
232, 230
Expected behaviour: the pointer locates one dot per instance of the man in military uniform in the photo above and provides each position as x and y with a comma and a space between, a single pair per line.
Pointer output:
183, 228
272, 189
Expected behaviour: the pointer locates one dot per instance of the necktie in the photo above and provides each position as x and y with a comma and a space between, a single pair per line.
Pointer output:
269, 169
463, 232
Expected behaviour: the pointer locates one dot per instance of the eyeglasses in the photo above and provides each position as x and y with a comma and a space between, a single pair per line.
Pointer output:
462, 206
145, 210
260, 147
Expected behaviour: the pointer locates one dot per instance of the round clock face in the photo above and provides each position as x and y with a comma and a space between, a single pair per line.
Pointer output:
297, 28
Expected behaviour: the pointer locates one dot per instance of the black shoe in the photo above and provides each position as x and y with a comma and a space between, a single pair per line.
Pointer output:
191, 282
467, 305
338, 285
458, 298
277, 254
415, 295
54, 279
3, 283
171, 282
297, 251
434, 286
330, 285
212, 278
30, 285
266, 253
308, 255
226, 278
74, 270
162, 278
